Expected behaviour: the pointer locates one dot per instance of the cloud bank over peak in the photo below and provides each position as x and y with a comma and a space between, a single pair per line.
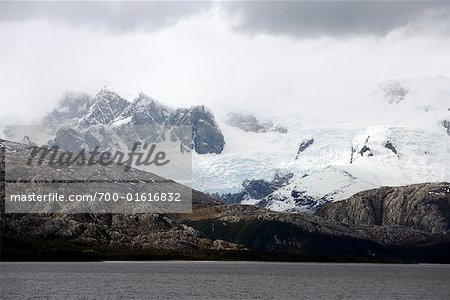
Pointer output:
297, 19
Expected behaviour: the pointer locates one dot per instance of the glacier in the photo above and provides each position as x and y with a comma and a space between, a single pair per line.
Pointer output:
389, 140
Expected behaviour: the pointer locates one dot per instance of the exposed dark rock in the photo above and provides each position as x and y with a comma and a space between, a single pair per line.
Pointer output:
446, 124
230, 198
423, 207
353, 151
302, 199
207, 136
365, 151
256, 188
390, 146
303, 146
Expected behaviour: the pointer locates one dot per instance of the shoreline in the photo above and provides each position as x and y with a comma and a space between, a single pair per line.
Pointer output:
230, 262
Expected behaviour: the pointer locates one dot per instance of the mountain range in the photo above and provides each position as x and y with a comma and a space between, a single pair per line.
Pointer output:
111, 110
403, 140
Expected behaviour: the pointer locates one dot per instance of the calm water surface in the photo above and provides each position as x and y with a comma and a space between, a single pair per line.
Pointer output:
221, 280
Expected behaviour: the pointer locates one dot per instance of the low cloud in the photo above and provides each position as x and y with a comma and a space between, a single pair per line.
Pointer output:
110, 16
336, 18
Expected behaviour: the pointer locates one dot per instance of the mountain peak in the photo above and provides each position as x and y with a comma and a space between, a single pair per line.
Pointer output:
146, 101
107, 107
106, 90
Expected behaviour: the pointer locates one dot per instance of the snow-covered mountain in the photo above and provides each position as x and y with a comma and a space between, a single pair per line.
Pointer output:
394, 134
388, 134
110, 109
144, 111
310, 192
107, 107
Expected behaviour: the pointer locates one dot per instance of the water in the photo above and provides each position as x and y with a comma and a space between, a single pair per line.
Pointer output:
221, 280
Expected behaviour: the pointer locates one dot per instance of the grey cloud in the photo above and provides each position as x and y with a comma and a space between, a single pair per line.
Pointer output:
335, 18
111, 16
294, 18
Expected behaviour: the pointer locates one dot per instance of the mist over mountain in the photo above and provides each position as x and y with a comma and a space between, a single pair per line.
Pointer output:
397, 136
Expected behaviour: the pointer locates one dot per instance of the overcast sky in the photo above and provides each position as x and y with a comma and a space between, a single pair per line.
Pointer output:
259, 56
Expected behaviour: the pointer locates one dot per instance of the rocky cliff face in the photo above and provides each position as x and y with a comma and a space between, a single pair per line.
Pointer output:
206, 134
446, 125
255, 189
108, 108
423, 207
263, 229
313, 237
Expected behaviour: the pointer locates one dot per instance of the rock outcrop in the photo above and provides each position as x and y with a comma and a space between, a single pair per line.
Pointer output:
423, 207
303, 146
446, 125
206, 134
255, 189
313, 237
